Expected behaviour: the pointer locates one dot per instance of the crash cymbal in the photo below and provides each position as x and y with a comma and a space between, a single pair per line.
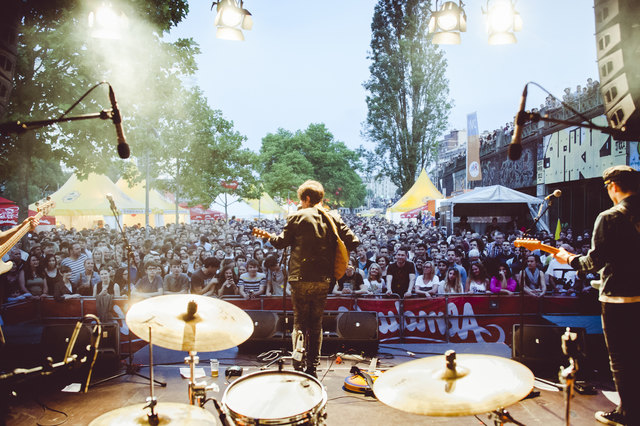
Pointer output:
169, 413
476, 384
213, 324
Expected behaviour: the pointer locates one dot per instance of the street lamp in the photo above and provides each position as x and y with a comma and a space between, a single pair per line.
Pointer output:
231, 19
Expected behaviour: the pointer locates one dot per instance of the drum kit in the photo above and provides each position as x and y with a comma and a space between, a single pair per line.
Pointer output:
446, 385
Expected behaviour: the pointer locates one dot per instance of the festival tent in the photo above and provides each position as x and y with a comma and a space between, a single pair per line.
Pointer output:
235, 207
266, 206
8, 212
161, 210
417, 196
490, 201
83, 204
200, 213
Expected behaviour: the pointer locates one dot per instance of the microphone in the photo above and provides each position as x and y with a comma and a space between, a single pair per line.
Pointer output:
515, 148
123, 147
112, 203
557, 193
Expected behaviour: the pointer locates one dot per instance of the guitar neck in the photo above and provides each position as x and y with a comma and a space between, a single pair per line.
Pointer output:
21, 232
549, 249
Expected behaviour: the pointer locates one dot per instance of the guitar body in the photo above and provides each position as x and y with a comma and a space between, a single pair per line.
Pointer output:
358, 384
5, 266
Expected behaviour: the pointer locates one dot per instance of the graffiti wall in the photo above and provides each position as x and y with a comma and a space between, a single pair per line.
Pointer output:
498, 170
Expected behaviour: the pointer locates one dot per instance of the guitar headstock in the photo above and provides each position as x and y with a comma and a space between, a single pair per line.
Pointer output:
260, 233
44, 206
528, 243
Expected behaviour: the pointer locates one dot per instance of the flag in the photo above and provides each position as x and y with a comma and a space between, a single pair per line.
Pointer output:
558, 229
474, 172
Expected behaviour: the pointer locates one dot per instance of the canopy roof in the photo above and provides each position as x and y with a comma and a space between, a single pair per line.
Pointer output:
495, 200
157, 203
265, 205
88, 197
418, 195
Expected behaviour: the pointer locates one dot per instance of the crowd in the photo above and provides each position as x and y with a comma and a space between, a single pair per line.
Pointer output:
220, 259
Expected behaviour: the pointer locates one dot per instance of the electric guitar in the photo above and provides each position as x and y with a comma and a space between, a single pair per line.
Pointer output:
533, 244
19, 232
261, 233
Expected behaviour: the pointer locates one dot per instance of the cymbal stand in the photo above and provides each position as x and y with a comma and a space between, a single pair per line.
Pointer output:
198, 391
152, 401
567, 375
502, 416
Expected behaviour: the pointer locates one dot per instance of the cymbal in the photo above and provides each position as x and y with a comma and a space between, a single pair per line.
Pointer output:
213, 325
477, 384
169, 413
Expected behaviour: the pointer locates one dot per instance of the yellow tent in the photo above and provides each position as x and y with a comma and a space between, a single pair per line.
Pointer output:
266, 206
417, 196
83, 204
163, 211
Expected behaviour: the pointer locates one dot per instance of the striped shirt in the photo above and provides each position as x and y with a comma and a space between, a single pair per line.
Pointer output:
77, 266
252, 284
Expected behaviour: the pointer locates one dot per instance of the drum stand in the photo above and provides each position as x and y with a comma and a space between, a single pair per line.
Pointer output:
198, 390
502, 416
567, 374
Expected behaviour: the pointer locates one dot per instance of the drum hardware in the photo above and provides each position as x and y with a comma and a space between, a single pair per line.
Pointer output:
467, 385
567, 375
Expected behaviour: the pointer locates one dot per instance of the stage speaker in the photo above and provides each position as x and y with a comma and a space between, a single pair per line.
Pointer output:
55, 339
341, 331
541, 348
618, 54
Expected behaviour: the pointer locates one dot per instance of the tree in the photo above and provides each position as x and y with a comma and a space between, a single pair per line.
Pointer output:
407, 101
288, 159
58, 61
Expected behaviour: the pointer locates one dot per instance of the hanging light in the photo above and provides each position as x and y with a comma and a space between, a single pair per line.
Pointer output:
105, 22
502, 22
447, 23
231, 19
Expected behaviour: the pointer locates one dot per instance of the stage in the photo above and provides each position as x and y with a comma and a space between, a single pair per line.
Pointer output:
342, 407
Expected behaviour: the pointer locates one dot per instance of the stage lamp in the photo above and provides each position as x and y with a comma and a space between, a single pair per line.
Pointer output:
502, 22
447, 23
105, 22
231, 19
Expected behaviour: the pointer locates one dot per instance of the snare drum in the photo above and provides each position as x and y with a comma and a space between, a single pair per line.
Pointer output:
276, 398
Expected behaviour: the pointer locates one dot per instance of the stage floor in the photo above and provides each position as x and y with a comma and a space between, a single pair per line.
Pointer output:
342, 408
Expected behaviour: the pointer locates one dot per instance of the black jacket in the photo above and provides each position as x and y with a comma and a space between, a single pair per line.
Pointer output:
614, 249
313, 244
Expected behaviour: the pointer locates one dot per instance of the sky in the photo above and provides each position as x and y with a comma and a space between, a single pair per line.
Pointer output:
305, 62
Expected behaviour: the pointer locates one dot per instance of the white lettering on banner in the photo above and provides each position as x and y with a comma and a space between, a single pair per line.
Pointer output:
435, 320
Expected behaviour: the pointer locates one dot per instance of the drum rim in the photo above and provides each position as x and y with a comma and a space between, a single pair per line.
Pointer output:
313, 412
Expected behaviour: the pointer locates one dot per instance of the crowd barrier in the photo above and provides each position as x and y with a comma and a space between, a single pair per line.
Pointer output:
449, 318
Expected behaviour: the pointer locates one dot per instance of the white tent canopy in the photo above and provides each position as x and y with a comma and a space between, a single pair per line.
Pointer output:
495, 200
235, 207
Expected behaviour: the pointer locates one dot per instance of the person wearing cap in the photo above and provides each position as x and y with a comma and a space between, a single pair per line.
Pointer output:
614, 252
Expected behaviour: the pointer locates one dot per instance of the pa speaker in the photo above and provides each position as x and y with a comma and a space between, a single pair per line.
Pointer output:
618, 54
265, 324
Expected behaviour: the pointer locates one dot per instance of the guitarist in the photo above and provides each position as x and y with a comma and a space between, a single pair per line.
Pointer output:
310, 234
615, 247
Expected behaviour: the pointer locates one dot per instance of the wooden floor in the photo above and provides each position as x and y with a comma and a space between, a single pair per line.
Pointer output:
36, 405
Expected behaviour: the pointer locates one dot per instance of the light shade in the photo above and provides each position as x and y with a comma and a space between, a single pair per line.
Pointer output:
230, 19
447, 23
502, 22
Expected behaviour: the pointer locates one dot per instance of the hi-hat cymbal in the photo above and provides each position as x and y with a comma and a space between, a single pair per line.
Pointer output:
477, 384
169, 413
215, 325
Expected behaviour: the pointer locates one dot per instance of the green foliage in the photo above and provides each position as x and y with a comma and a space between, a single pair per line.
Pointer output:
58, 61
288, 159
408, 90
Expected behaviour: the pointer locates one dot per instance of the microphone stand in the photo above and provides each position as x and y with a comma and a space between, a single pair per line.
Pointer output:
523, 263
282, 354
131, 369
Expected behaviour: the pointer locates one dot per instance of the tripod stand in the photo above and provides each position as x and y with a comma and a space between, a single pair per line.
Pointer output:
131, 369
